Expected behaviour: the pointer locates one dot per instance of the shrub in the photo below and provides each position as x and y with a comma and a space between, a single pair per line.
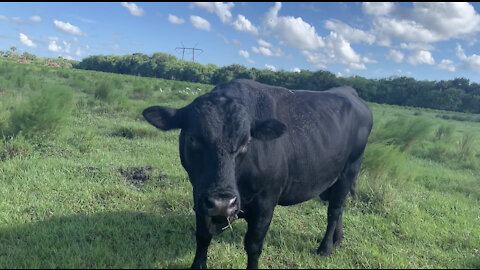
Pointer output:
382, 161
440, 152
104, 91
403, 131
3, 120
466, 150
445, 131
42, 113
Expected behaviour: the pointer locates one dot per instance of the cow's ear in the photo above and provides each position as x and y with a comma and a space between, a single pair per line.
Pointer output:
267, 129
164, 118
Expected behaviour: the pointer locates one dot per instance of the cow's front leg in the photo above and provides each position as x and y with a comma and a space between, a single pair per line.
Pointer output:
333, 215
258, 219
203, 238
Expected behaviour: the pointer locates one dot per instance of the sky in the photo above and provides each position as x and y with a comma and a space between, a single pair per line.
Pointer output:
426, 41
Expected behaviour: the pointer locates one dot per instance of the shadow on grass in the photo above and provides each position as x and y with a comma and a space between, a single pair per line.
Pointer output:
106, 240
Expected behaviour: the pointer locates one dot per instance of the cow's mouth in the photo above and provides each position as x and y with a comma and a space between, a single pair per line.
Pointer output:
217, 224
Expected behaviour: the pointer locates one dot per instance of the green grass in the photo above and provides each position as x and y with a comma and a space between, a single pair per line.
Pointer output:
64, 202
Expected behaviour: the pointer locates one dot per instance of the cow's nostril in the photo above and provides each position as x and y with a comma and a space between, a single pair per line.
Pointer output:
233, 203
210, 203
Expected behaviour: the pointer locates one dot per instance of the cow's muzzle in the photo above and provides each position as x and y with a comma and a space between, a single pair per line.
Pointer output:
219, 211
221, 206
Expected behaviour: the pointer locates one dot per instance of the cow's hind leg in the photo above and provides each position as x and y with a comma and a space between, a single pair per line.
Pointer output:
336, 196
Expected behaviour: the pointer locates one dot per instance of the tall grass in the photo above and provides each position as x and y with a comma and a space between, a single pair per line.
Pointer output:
42, 113
385, 161
404, 131
466, 150
445, 131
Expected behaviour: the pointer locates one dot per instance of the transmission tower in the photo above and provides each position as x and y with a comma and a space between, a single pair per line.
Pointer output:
183, 48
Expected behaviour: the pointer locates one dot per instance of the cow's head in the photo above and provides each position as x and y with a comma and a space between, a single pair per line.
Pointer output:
214, 138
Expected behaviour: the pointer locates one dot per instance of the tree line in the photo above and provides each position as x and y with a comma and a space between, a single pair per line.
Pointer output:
458, 94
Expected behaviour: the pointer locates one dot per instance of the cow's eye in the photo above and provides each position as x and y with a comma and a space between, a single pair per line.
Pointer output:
243, 149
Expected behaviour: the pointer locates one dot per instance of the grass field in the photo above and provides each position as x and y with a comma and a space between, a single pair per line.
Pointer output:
85, 182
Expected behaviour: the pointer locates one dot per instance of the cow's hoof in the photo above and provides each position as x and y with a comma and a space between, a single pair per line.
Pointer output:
324, 252
198, 266
338, 243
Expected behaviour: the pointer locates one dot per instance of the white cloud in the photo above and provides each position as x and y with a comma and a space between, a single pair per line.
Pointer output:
244, 25
68, 28
428, 22
262, 50
421, 57
447, 19
79, 52
263, 43
319, 60
471, 62
267, 51
292, 31
175, 20
404, 30
461, 53
200, 23
133, 9
416, 46
270, 67
245, 55
396, 56
367, 60
221, 9
25, 40
339, 50
351, 34
377, 8
447, 64
3, 18
53, 47
67, 46
35, 18
319, 51
296, 69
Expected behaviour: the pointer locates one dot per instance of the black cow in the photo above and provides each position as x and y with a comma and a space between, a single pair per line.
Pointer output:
248, 147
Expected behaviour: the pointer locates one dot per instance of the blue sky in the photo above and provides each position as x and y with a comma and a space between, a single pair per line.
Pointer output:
427, 41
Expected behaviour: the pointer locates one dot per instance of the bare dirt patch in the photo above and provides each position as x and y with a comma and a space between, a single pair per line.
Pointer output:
138, 176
